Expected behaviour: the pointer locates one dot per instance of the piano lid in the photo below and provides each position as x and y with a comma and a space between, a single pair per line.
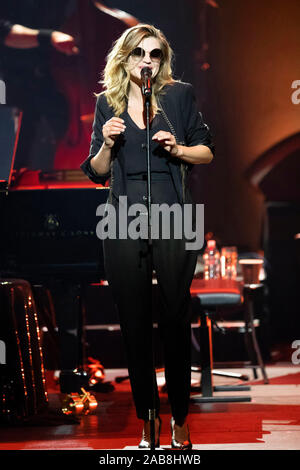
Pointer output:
26, 179
10, 123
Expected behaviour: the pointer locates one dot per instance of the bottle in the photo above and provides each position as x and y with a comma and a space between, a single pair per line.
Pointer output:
211, 258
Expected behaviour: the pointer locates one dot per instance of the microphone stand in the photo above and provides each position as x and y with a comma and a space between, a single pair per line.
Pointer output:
152, 411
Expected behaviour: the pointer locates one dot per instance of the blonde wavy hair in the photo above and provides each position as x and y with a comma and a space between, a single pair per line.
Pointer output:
116, 77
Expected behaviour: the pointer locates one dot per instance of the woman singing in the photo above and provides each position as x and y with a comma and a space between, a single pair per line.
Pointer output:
179, 139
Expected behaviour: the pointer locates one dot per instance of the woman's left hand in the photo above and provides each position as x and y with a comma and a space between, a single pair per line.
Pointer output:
168, 142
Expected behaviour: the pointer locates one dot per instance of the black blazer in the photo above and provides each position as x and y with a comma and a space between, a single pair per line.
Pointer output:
179, 104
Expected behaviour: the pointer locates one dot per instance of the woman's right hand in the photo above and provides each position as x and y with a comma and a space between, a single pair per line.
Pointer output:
111, 129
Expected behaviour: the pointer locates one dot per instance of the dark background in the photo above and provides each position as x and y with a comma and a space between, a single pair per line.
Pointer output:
242, 58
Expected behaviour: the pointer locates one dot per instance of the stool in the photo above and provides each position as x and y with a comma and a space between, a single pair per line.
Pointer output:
247, 326
211, 294
22, 388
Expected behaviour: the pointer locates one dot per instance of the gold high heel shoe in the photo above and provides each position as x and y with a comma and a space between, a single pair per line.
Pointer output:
180, 436
146, 440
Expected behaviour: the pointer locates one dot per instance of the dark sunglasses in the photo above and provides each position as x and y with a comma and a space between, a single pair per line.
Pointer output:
139, 53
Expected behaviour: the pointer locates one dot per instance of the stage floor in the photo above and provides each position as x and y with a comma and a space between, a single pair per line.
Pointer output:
270, 421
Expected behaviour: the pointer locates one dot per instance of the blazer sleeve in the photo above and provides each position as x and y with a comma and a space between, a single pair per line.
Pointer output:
196, 131
96, 143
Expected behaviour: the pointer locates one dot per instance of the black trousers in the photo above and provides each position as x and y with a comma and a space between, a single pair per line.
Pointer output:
127, 264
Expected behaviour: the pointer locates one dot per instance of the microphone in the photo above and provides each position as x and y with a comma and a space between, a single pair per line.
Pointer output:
146, 74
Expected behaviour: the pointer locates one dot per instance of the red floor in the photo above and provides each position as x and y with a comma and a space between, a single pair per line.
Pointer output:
115, 426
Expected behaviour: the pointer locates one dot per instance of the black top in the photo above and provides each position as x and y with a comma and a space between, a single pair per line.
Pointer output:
133, 147
179, 103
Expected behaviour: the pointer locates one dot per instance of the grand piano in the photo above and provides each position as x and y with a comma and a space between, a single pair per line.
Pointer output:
49, 226
48, 218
